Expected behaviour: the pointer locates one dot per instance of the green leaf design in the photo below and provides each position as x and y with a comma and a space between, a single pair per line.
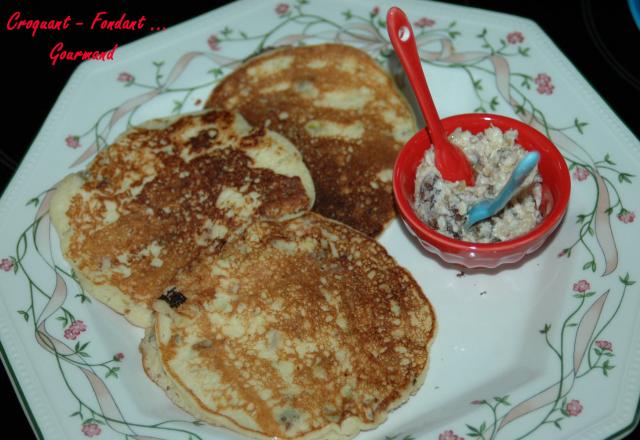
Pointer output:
607, 159
112, 372
216, 72
579, 125
502, 400
347, 14
226, 31
79, 349
494, 103
625, 177
473, 431
524, 51
83, 298
34, 201
482, 34
24, 314
626, 280
546, 329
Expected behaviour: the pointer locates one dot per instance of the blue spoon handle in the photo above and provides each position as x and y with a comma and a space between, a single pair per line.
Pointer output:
487, 208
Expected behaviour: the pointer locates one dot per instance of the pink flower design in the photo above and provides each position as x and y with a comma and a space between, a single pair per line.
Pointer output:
543, 81
74, 330
6, 264
449, 435
581, 286
626, 216
574, 408
73, 141
542, 78
125, 77
424, 22
477, 402
604, 345
375, 11
580, 173
118, 357
213, 42
69, 334
562, 253
282, 9
91, 429
546, 89
515, 37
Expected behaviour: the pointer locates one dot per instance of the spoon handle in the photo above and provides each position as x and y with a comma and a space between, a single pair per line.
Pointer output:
404, 44
487, 208
519, 174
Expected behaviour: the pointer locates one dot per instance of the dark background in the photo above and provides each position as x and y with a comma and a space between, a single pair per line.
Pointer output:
599, 37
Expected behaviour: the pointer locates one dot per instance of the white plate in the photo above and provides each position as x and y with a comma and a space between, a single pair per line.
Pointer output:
550, 343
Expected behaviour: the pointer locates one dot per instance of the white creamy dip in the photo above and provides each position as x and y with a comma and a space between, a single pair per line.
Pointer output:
443, 205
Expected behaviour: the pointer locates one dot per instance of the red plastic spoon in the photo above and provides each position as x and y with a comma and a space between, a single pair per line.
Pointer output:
450, 160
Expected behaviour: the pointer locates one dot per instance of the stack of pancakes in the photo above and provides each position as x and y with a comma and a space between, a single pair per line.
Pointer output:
261, 316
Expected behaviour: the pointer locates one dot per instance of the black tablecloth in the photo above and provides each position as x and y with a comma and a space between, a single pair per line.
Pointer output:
599, 37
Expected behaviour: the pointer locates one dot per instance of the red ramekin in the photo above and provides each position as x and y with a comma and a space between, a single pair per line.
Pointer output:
556, 187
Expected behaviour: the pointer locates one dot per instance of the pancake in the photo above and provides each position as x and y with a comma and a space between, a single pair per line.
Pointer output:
341, 110
165, 191
304, 329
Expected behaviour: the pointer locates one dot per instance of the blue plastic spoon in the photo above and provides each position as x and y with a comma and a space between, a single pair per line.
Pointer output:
489, 207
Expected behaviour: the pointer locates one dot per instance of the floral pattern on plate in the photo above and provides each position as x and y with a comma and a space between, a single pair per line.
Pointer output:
501, 72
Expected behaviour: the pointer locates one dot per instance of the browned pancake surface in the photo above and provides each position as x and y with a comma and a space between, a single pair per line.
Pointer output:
148, 203
298, 329
344, 114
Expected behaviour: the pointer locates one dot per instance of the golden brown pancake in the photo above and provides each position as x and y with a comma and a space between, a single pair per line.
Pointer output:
343, 112
303, 329
162, 192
